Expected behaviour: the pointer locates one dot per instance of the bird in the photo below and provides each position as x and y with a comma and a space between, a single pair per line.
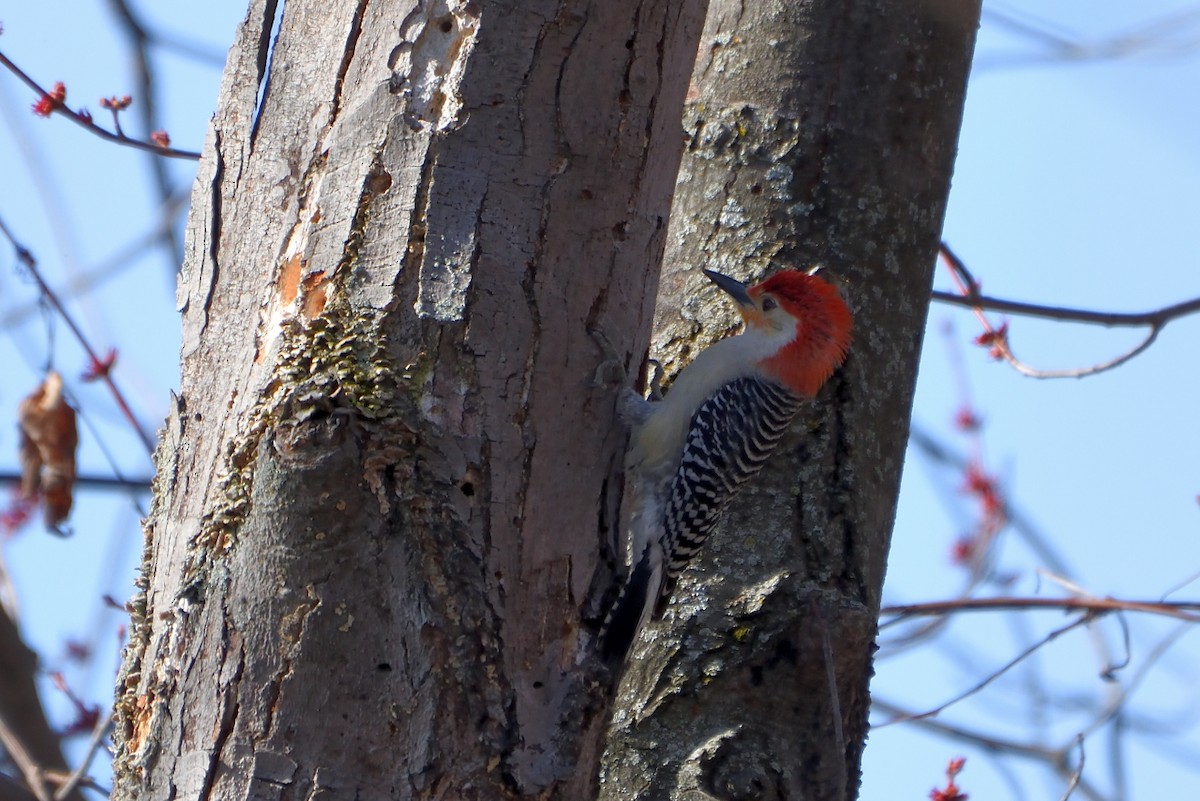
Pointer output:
690, 452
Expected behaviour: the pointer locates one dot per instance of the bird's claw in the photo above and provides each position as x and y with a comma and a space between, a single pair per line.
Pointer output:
656, 377
611, 371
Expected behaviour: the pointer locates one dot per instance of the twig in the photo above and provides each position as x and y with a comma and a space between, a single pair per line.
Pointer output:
1158, 38
1127, 690
1177, 587
140, 41
87, 124
987, 742
1035, 539
1160, 316
970, 297
94, 482
978, 687
1077, 774
72, 780
93, 276
26, 258
1181, 610
32, 772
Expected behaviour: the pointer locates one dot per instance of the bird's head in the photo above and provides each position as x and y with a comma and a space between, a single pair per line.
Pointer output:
805, 314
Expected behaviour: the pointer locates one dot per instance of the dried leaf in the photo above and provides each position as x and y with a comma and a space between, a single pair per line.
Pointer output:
47, 449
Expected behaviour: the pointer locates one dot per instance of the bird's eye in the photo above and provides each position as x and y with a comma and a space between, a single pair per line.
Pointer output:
768, 303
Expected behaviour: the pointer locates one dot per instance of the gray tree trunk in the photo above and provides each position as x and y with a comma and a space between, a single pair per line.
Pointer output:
819, 133
378, 494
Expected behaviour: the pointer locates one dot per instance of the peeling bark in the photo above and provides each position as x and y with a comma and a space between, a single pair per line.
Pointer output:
374, 532
820, 133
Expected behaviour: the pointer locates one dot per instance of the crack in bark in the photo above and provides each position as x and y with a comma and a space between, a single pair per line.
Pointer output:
293, 628
264, 56
852, 581
228, 720
528, 432
414, 252
214, 229
347, 56
560, 130
652, 107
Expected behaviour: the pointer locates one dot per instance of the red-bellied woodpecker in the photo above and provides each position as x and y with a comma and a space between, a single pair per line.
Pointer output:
725, 412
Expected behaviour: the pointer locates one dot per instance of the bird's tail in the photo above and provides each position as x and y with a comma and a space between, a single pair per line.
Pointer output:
631, 610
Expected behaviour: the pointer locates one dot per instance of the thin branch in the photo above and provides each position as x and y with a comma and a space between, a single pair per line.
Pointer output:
109, 456
32, 772
980, 739
1177, 587
139, 43
1159, 317
970, 297
87, 124
188, 48
1077, 774
26, 258
981, 685
91, 277
987, 742
1166, 35
93, 482
73, 780
1016, 521
1121, 699
1181, 610
1032, 537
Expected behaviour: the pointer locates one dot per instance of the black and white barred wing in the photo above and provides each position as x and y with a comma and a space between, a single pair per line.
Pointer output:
731, 436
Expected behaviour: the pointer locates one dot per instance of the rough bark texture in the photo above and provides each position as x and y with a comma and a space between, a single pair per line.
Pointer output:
820, 133
376, 506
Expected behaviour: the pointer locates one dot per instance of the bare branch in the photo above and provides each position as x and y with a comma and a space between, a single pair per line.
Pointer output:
1020, 523
31, 771
1181, 610
73, 780
989, 742
85, 121
93, 276
30, 263
979, 686
1169, 35
94, 482
139, 45
970, 297
1159, 317
1077, 774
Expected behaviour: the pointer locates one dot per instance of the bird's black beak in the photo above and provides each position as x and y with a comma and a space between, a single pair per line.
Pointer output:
735, 288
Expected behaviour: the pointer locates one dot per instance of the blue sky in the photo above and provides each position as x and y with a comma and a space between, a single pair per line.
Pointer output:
1075, 185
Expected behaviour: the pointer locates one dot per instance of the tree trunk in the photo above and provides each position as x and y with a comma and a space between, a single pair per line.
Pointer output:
376, 509
821, 133
23, 723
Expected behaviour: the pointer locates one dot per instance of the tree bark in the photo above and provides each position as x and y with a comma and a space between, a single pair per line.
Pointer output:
376, 509
820, 133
